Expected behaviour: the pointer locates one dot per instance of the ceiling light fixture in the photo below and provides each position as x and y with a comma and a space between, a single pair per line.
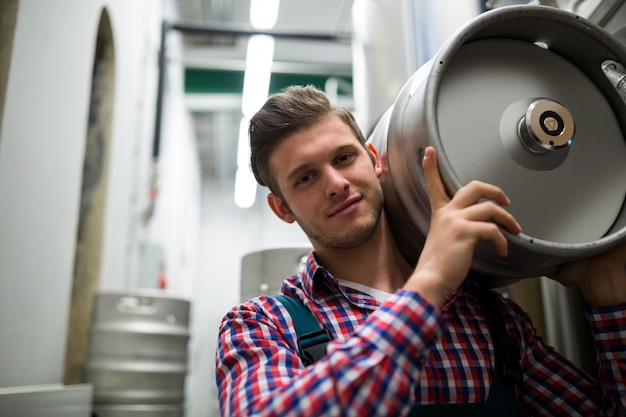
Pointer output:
256, 83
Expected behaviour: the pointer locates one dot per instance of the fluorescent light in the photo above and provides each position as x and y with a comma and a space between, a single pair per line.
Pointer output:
263, 13
256, 80
245, 188
245, 183
243, 146
256, 86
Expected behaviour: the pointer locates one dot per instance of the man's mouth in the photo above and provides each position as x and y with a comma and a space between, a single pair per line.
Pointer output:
349, 202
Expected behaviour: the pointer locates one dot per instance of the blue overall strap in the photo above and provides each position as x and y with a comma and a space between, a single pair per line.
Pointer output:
312, 337
507, 349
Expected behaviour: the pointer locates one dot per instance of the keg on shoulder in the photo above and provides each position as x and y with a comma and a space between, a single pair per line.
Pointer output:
523, 97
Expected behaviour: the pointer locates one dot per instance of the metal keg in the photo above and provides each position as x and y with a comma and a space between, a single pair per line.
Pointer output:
520, 98
137, 360
263, 271
138, 410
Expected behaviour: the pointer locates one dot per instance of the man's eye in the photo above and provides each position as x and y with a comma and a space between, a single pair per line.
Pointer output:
304, 179
344, 158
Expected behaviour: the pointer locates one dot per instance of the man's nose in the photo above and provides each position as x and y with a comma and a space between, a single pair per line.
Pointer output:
336, 183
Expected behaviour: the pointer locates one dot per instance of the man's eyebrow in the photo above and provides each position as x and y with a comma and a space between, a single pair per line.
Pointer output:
306, 165
297, 170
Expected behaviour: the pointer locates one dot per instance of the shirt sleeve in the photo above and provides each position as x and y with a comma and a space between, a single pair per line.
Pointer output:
553, 385
608, 326
259, 373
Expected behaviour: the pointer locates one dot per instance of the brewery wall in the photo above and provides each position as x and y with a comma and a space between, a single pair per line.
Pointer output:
66, 128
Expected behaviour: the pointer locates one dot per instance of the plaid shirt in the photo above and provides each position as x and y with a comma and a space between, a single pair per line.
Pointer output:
386, 357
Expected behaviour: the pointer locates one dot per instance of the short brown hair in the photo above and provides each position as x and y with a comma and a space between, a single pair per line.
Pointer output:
283, 114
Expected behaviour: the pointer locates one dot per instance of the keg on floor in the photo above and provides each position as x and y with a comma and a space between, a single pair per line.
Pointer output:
523, 97
137, 360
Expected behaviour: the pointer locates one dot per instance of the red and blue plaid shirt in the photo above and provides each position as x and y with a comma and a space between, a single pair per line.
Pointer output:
386, 357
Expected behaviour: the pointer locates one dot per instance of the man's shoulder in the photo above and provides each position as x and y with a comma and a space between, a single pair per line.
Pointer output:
266, 304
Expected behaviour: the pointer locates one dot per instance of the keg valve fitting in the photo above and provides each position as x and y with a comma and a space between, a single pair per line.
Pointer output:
547, 126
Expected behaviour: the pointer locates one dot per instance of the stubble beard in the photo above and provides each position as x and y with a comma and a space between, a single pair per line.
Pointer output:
353, 237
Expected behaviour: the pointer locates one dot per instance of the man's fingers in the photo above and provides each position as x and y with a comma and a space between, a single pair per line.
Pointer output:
490, 212
473, 192
476, 202
465, 196
434, 186
492, 233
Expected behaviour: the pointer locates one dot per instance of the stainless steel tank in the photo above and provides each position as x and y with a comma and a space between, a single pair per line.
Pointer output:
517, 98
263, 271
137, 361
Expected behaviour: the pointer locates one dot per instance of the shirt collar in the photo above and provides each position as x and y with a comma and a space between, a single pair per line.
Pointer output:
318, 280
315, 275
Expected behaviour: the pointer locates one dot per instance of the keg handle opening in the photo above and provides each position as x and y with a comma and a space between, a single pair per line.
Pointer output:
136, 305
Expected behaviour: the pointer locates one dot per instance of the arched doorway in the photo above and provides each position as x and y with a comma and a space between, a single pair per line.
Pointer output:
86, 276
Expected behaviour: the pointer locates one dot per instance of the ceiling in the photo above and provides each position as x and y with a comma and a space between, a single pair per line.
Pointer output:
217, 61
219, 51
331, 17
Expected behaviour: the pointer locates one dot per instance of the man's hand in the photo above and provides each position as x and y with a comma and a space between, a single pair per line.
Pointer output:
601, 279
473, 214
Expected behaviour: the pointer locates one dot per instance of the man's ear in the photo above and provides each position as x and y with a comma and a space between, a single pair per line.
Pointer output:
374, 154
280, 209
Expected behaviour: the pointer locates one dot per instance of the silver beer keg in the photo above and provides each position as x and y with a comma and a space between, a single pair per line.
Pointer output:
520, 98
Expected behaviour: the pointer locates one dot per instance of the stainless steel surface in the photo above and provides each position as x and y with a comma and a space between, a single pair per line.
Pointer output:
138, 410
383, 48
546, 202
138, 349
566, 324
49, 400
263, 271
547, 126
468, 102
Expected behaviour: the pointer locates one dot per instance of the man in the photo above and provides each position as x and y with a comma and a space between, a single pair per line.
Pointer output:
406, 340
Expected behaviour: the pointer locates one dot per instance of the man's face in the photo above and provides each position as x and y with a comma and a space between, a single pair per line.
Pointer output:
329, 185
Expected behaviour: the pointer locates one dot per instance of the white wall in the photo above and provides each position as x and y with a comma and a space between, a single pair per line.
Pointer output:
175, 224
136, 29
41, 150
41, 159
